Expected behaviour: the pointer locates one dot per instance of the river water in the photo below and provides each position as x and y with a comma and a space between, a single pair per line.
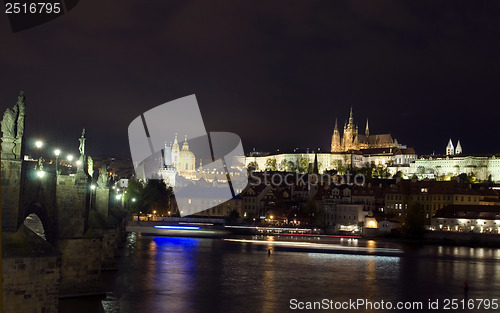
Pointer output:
169, 274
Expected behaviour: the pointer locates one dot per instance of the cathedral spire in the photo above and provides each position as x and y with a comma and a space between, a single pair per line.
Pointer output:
185, 145
315, 166
458, 149
335, 146
175, 146
450, 150
367, 131
351, 118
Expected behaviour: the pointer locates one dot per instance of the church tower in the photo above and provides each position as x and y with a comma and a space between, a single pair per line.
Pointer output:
350, 135
367, 130
450, 150
175, 152
185, 145
458, 149
335, 147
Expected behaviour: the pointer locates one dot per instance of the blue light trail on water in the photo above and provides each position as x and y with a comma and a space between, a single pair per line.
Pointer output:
177, 227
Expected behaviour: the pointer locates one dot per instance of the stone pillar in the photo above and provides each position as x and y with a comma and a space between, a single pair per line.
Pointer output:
31, 272
11, 190
71, 205
81, 265
102, 201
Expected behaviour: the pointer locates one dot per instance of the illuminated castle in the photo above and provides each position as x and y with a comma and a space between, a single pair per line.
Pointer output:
183, 160
176, 162
351, 139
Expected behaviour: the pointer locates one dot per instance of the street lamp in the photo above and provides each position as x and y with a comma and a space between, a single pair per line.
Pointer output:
69, 158
39, 145
57, 152
92, 188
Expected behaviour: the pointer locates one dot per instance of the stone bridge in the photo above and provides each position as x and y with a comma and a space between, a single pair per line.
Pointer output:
67, 256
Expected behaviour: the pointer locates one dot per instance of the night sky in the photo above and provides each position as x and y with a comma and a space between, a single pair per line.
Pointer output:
277, 73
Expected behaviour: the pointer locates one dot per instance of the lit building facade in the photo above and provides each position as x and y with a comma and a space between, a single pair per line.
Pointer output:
347, 149
455, 163
351, 139
429, 195
468, 218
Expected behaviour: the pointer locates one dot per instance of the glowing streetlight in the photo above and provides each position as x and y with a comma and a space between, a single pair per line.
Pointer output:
38, 145
57, 152
69, 157
40, 174
133, 199
118, 197
92, 188
78, 162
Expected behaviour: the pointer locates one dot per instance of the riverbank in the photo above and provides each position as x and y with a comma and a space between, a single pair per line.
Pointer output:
204, 230
445, 239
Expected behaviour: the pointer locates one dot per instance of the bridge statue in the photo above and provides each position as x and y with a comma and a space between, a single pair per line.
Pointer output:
8, 122
90, 166
81, 148
20, 124
82, 144
102, 181
13, 129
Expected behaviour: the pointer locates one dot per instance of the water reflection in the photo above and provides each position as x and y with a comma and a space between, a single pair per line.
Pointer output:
268, 284
162, 274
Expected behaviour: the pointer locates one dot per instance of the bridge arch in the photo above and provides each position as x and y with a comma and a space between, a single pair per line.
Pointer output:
35, 218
